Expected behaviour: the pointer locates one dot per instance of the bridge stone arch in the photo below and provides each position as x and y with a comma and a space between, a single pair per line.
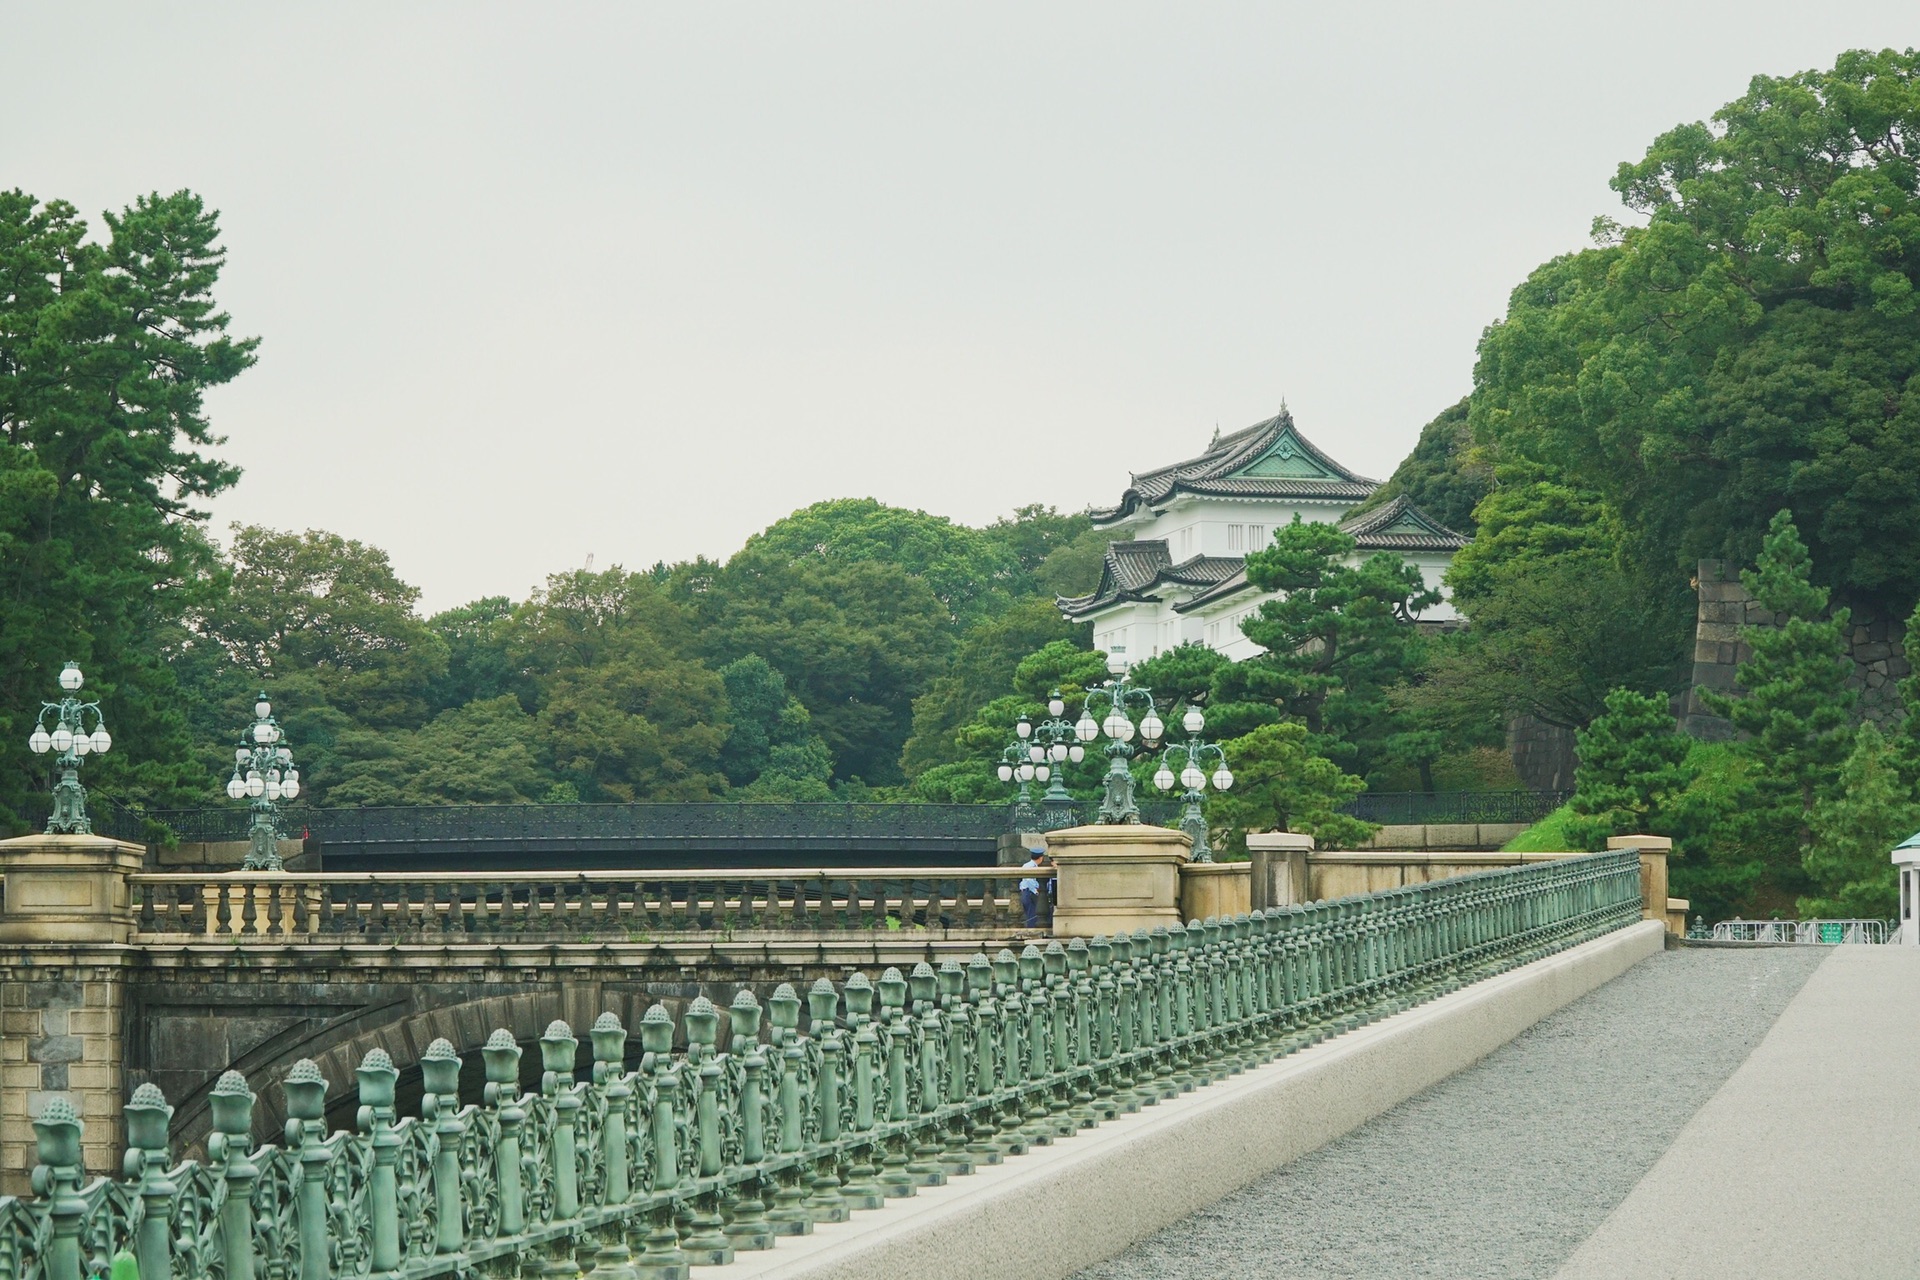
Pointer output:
187, 1030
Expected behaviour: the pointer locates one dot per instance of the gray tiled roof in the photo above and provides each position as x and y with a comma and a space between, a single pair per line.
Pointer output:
1212, 473
1401, 526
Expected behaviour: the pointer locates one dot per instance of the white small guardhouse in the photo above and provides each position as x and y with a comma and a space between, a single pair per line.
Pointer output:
1906, 856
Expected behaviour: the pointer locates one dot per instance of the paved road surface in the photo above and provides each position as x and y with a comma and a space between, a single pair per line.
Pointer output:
1512, 1167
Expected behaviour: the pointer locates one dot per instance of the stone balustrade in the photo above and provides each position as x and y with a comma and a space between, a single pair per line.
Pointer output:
256, 907
769, 1121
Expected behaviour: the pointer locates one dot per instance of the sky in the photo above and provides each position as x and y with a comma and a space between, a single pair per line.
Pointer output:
631, 281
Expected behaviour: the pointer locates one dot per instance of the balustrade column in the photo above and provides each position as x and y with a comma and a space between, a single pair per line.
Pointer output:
824, 1203
502, 1057
789, 1214
613, 1259
896, 1177
660, 1256
231, 1104
148, 1117
747, 1225
376, 1075
306, 1091
862, 1190
57, 1178
706, 1243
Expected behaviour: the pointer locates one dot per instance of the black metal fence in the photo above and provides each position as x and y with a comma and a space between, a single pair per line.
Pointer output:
1407, 808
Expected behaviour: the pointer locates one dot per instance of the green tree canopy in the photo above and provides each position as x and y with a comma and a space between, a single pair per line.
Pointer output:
1281, 784
969, 572
1632, 770
1752, 346
1443, 476
107, 351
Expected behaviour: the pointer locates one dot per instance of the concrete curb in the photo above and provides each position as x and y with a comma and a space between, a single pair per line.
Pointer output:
1058, 1209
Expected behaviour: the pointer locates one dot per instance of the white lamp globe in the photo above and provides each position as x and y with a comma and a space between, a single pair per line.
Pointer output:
1024, 728
1076, 753
1026, 773
62, 738
1193, 721
70, 678
1164, 778
82, 744
1086, 729
102, 740
1116, 663
240, 755
1006, 773
256, 785
263, 733
1041, 772
1056, 706
273, 790
1191, 778
1151, 728
1058, 751
1036, 753
235, 788
290, 788
262, 709
292, 775
286, 756
40, 742
1223, 779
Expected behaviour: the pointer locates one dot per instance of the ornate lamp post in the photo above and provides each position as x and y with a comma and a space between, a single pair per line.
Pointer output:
1055, 735
1193, 777
1015, 766
1036, 755
71, 738
263, 775
1117, 804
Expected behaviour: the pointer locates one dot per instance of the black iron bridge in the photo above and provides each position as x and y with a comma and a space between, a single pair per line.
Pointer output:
628, 837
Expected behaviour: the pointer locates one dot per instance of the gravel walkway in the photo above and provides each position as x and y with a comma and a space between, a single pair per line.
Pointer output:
1502, 1170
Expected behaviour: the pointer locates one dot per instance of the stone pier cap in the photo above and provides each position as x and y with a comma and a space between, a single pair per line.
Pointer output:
1117, 878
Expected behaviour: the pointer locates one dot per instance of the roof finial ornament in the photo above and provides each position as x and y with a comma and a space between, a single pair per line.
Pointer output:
1216, 434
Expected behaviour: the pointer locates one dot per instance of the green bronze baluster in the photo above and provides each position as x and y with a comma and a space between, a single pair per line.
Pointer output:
747, 1224
896, 1180
502, 1057
1013, 1053
862, 1190
1037, 1127
660, 1256
789, 1214
613, 1260
824, 1202
706, 1243
306, 1094
148, 1117
927, 1167
955, 1067
1086, 1112
440, 1104
982, 1089
1060, 1039
377, 1075
227, 1152
60, 1173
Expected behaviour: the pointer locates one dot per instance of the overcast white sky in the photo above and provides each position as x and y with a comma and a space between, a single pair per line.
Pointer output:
539, 282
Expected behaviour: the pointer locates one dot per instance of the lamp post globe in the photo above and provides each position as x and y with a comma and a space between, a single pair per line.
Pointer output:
1036, 754
71, 730
263, 776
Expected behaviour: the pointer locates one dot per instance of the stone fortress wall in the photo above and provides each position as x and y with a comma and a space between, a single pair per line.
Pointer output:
1874, 644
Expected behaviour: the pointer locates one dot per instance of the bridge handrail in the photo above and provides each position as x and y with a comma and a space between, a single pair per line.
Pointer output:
258, 908
884, 1087
675, 874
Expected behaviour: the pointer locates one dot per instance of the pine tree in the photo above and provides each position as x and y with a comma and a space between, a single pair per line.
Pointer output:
1795, 711
1633, 766
1855, 829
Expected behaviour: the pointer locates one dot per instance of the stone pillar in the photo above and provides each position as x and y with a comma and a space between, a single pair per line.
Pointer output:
1116, 879
1654, 852
1281, 876
1214, 890
65, 920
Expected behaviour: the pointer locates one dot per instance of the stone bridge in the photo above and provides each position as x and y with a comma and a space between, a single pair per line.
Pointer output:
644, 1160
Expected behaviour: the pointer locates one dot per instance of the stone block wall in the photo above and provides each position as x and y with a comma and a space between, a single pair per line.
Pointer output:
1542, 754
1875, 645
61, 1036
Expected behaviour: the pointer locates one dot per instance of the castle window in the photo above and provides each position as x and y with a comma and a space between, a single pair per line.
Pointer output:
1236, 537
